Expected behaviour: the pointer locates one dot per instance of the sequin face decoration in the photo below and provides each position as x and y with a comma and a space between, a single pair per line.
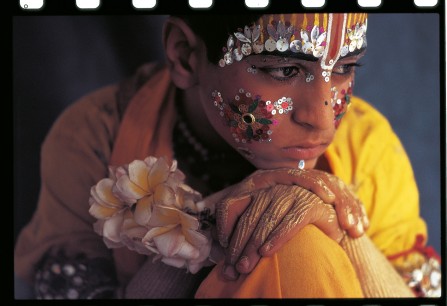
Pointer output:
340, 105
323, 36
249, 117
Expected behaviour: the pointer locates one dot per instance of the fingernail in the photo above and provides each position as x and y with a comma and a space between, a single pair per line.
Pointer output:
266, 248
360, 228
350, 219
365, 221
243, 263
230, 272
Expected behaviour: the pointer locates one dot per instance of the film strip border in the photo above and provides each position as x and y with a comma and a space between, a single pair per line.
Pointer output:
21, 7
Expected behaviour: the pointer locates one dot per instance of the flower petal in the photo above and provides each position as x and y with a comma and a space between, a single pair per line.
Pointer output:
143, 210
174, 262
164, 215
195, 238
188, 221
99, 211
103, 193
138, 174
129, 192
150, 161
164, 195
168, 243
112, 228
158, 174
188, 251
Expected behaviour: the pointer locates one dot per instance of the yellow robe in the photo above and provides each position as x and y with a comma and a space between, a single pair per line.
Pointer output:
367, 155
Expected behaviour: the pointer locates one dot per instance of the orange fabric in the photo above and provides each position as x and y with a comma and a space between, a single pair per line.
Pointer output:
308, 266
146, 129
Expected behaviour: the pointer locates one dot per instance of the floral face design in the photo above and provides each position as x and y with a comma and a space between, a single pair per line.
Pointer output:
341, 104
250, 118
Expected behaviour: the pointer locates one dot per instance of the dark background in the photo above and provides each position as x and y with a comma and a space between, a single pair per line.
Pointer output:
57, 59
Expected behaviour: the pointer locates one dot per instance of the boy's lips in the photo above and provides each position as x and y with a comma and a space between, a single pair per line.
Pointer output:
304, 151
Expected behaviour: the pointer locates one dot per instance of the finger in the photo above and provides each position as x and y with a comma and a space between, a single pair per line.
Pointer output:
227, 213
246, 226
327, 222
294, 220
248, 260
283, 200
365, 218
312, 181
263, 179
346, 205
243, 232
357, 230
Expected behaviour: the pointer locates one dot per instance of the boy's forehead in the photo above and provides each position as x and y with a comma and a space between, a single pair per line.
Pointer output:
315, 36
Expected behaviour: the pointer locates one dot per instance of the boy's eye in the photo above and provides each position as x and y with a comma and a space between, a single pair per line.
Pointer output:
345, 69
282, 73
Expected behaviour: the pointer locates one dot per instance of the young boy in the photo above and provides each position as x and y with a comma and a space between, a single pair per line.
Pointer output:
277, 92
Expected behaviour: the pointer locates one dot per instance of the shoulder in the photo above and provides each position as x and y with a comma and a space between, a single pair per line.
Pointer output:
365, 129
364, 117
99, 112
364, 141
95, 112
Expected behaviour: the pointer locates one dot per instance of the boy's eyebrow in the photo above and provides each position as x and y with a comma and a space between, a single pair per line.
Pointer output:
355, 52
310, 57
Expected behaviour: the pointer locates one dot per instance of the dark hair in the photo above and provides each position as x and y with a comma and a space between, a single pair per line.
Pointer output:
214, 29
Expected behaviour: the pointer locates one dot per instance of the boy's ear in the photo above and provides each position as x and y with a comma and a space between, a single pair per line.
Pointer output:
182, 48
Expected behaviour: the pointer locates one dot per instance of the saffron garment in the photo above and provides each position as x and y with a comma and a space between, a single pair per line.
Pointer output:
120, 123
367, 155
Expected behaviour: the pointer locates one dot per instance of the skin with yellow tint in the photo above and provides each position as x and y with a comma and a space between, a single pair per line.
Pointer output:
303, 133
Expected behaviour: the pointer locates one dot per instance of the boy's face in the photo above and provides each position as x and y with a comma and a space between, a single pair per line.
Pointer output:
279, 98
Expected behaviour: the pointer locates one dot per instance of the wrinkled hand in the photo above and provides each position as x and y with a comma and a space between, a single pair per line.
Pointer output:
260, 216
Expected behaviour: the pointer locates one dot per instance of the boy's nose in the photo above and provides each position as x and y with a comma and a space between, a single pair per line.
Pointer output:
312, 108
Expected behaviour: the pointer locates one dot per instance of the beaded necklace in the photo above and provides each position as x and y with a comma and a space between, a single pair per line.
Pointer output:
212, 170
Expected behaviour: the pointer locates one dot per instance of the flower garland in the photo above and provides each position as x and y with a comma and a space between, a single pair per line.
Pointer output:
146, 206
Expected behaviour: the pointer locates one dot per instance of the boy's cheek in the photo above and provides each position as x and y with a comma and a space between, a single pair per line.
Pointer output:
248, 117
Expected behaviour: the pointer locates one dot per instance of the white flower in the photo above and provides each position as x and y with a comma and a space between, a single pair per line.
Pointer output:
147, 207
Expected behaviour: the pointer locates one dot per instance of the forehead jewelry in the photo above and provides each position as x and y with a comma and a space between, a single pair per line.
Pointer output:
320, 38
301, 164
